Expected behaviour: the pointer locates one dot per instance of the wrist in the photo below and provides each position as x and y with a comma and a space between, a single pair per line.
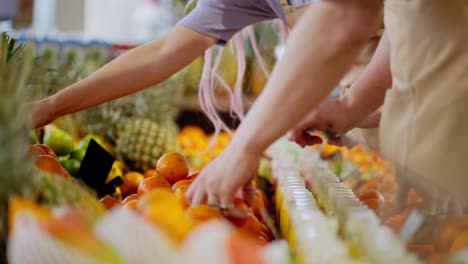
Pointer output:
49, 108
246, 147
349, 110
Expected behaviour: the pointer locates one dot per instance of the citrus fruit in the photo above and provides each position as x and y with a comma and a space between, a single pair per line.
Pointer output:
60, 141
460, 242
78, 154
202, 213
182, 183
173, 167
71, 165
131, 204
131, 181
17, 205
110, 202
152, 183
149, 173
129, 198
180, 194
163, 208
243, 249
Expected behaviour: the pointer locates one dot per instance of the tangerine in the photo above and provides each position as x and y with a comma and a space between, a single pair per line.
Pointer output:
152, 183
110, 202
460, 242
182, 183
180, 194
244, 250
132, 204
129, 198
202, 213
150, 173
173, 167
131, 181
163, 208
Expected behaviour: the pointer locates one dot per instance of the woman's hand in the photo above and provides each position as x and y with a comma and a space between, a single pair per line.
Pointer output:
331, 115
226, 177
42, 113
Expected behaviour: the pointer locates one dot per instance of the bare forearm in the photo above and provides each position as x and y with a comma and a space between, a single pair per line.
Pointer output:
139, 68
371, 121
329, 38
367, 93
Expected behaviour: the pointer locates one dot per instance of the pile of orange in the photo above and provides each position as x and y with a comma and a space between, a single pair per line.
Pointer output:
436, 240
194, 142
159, 195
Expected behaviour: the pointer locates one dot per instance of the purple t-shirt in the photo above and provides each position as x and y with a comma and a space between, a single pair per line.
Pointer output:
223, 18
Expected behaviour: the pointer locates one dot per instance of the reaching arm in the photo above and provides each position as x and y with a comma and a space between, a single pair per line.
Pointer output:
367, 93
320, 51
371, 121
139, 68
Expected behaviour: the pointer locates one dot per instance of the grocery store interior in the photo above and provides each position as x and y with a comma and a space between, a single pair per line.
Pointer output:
233, 131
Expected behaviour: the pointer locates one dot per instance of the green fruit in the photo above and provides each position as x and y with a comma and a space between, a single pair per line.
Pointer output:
78, 154
84, 143
71, 165
60, 141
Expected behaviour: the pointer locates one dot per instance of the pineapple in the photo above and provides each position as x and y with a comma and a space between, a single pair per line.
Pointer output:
142, 141
18, 177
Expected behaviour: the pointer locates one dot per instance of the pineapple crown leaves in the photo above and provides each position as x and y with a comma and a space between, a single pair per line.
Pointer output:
16, 170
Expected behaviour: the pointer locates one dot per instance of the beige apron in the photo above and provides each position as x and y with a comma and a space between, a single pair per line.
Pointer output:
366, 136
424, 125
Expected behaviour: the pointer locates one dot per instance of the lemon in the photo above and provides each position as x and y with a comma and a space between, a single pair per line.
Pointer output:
60, 141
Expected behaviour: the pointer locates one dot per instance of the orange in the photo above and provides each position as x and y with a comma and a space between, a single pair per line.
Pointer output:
368, 186
131, 181
244, 250
370, 194
193, 176
460, 242
257, 204
131, 204
180, 194
17, 205
110, 202
250, 224
152, 183
202, 213
373, 203
129, 198
265, 231
182, 183
163, 208
51, 165
149, 173
173, 167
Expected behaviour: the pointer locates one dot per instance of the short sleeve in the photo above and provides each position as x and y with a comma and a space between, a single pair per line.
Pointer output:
223, 18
